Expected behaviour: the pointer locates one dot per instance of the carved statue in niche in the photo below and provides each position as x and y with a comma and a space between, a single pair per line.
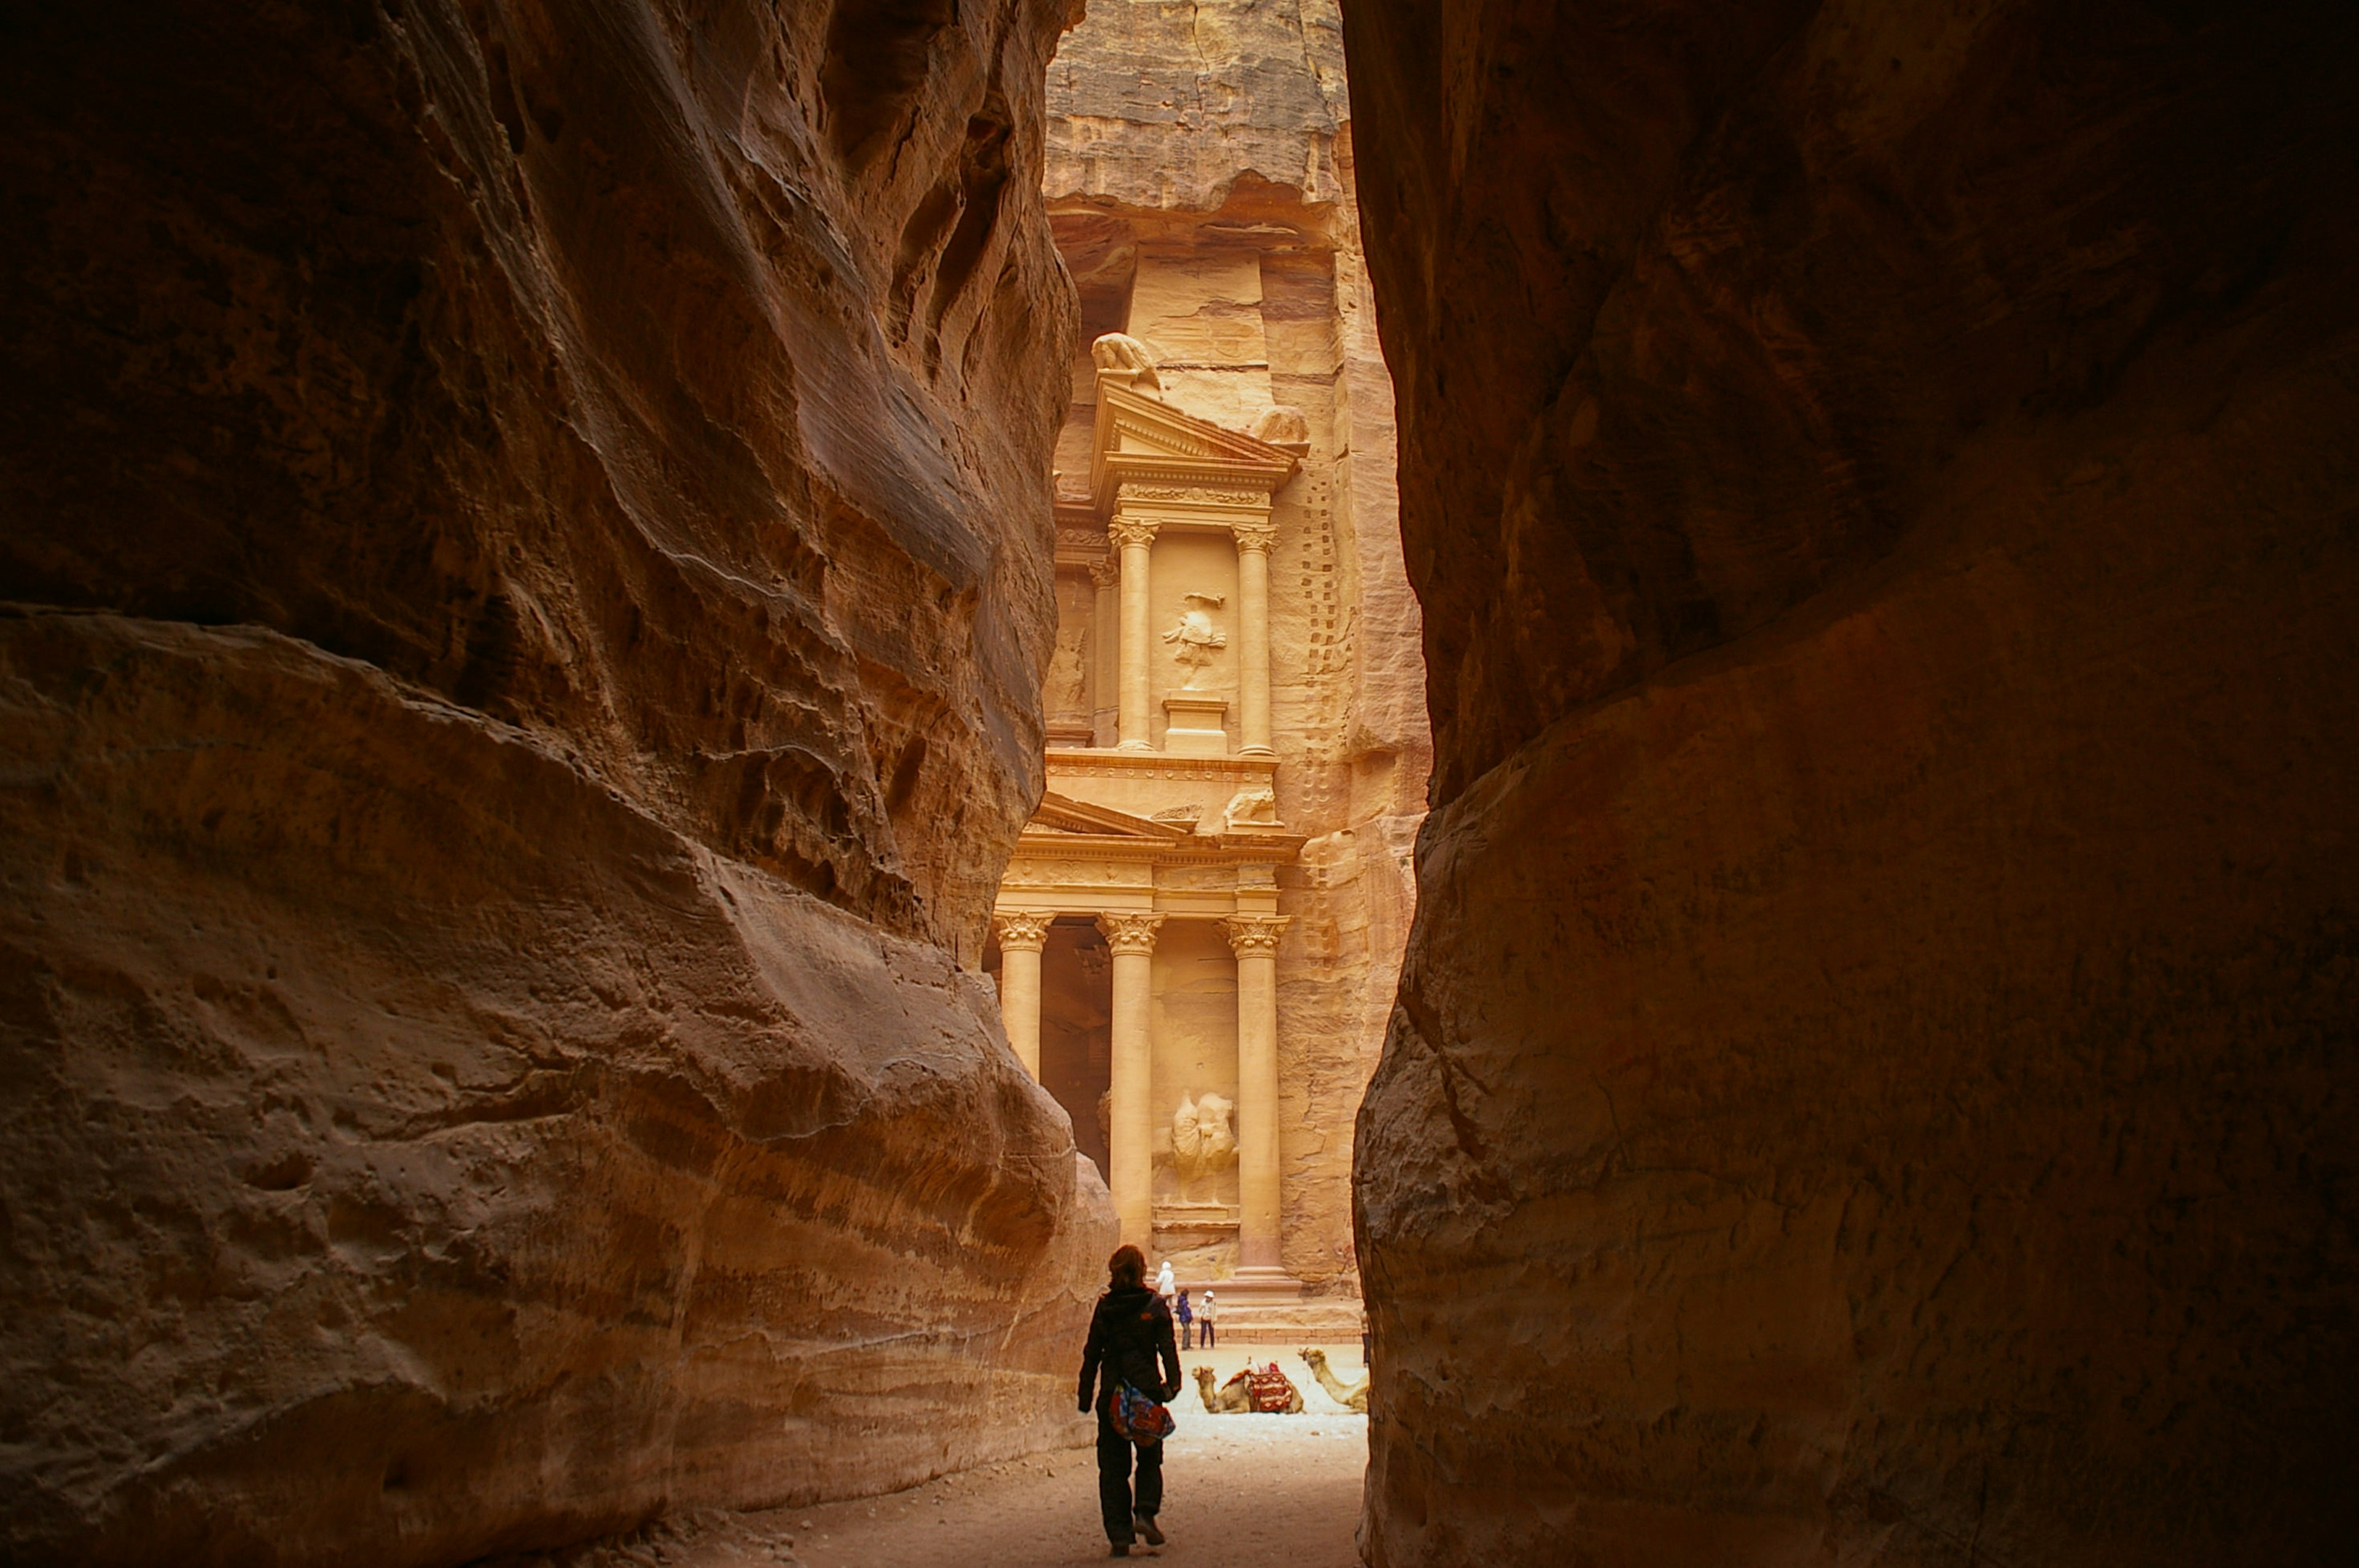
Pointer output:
1121, 351
1196, 635
1067, 684
1203, 1144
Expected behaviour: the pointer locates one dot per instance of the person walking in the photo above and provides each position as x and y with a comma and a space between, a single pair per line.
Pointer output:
1186, 1316
1163, 1280
1129, 1343
1207, 1312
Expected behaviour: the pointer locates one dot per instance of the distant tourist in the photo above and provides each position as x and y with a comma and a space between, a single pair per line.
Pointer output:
1207, 1312
1186, 1316
1163, 1280
1130, 1370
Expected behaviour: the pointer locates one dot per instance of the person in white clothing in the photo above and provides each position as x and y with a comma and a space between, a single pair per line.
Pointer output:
1163, 1285
1207, 1311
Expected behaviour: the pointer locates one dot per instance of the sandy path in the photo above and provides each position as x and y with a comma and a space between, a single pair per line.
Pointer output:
1239, 1491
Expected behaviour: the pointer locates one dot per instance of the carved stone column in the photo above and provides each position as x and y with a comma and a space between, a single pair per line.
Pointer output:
1105, 649
1022, 934
1254, 539
1131, 1117
1254, 940
1136, 539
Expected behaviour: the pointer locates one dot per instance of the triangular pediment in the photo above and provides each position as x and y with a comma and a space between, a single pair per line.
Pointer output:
1139, 437
1062, 814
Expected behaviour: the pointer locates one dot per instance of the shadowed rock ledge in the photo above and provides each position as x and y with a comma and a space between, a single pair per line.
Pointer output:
527, 527
1872, 1080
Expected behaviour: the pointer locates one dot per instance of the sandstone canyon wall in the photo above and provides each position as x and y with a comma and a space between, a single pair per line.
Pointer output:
525, 525
1200, 184
1872, 1080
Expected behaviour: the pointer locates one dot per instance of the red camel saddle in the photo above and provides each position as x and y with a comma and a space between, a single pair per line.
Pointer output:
1271, 1392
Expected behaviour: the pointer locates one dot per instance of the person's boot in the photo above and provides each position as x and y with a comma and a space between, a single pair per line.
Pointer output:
1146, 1523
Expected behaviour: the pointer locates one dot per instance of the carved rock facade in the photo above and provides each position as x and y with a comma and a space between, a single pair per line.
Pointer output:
1872, 1081
528, 535
1235, 717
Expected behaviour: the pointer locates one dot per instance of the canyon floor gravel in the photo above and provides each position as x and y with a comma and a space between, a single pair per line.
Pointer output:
1239, 1491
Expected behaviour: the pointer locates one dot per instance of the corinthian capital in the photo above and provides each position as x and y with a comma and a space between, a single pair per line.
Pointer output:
1130, 933
1022, 930
1253, 936
1127, 531
1254, 534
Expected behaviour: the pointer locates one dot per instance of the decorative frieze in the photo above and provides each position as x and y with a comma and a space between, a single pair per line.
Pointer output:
1191, 495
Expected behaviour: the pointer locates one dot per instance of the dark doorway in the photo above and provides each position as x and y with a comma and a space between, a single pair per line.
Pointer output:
1076, 1034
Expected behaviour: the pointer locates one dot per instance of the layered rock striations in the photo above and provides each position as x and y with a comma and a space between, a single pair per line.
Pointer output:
1871, 1081
1200, 184
527, 532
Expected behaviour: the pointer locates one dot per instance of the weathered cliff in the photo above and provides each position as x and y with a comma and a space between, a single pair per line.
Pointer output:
1873, 1078
1199, 176
529, 530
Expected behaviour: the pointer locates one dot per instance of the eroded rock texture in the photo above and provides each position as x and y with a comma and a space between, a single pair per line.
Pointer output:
1873, 1076
529, 527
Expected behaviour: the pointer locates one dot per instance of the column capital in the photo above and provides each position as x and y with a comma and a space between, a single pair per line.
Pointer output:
1255, 936
1105, 571
1022, 930
1254, 534
1127, 531
1130, 933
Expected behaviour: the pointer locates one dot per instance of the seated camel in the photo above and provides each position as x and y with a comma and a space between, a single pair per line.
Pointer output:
1238, 1397
1353, 1397
1262, 1391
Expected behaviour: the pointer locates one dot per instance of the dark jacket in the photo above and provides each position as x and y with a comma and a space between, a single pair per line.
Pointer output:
1129, 1333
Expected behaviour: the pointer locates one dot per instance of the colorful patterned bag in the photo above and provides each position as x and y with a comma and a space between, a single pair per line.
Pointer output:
1139, 1418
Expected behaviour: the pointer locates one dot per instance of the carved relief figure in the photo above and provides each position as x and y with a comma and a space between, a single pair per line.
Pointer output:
1066, 687
1196, 635
1283, 424
1120, 350
1256, 806
1202, 1141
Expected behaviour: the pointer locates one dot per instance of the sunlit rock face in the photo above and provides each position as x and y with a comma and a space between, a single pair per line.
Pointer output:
1199, 181
1872, 1081
527, 527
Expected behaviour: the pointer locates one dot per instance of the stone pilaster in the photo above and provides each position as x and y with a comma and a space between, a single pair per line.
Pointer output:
1254, 539
1135, 539
1105, 649
1254, 940
1130, 1115
1022, 934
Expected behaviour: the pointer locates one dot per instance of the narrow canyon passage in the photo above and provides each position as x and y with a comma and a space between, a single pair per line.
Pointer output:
1660, 702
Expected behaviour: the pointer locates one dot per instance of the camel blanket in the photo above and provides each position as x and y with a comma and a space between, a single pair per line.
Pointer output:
1271, 1392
